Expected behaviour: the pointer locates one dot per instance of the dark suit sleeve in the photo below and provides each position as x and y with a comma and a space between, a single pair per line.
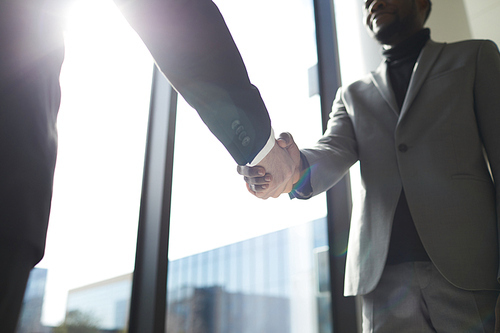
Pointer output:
193, 47
31, 56
487, 108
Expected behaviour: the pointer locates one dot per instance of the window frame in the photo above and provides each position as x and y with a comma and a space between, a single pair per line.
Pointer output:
148, 304
339, 200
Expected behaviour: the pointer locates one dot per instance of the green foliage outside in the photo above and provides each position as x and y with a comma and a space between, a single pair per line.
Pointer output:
78, 322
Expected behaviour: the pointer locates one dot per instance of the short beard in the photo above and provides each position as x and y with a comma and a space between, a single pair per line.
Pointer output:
388, 33
392, 32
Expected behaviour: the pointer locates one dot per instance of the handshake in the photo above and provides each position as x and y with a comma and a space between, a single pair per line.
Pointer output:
277, 172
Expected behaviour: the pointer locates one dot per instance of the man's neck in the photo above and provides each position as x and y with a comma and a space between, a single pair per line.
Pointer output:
399, 39
409, 47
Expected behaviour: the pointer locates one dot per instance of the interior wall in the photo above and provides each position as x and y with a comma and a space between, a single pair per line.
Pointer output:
454, 20
483, 19
449, 21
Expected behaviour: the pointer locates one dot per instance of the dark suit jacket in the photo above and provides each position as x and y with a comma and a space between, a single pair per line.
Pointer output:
191, 45
443, 149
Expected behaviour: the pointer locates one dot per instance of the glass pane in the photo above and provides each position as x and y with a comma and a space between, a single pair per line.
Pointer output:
85, 277
238, 263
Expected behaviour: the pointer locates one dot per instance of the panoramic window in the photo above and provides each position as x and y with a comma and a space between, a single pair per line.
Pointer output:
238, 263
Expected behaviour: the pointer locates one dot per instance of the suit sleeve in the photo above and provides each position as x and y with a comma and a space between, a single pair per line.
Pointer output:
487, 108
194, 49
334, 153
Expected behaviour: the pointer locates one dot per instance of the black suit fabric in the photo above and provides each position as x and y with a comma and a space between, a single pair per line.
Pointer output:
31, 55
193, 47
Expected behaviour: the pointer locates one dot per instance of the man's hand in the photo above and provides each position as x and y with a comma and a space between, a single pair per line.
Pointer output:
282, 165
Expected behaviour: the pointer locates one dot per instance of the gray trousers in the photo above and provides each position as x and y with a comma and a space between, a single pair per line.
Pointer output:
415, 297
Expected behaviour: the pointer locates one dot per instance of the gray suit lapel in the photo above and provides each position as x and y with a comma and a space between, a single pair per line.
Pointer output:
422, 68
424, 64
380, 79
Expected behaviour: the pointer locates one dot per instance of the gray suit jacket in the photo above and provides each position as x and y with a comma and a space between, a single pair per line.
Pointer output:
439, 149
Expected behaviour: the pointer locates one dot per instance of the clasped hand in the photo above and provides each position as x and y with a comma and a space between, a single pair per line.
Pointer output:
277, 172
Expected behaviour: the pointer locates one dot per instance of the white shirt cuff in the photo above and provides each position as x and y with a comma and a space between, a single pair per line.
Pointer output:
264, 151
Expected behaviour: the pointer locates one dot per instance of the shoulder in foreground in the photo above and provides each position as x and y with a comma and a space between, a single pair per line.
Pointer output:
473, 43
469, 47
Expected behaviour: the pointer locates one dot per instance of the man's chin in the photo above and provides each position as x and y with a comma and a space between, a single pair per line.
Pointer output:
384, 35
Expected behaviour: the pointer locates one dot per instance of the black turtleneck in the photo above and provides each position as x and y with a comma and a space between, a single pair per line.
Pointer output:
400, 61
405, 244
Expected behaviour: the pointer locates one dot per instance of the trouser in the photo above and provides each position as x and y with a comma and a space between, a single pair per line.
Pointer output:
415, 297
16, 263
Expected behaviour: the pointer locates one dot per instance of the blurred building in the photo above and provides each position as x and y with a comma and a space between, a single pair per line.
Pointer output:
278, 282
106, 302
30, 318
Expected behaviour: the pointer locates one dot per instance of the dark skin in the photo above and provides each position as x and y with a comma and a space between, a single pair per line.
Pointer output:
393, 21
256, 178
389, 22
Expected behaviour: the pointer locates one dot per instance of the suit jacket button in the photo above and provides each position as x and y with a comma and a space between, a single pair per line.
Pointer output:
246, 141
403, 148
235, 124
239, 130
242, 135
